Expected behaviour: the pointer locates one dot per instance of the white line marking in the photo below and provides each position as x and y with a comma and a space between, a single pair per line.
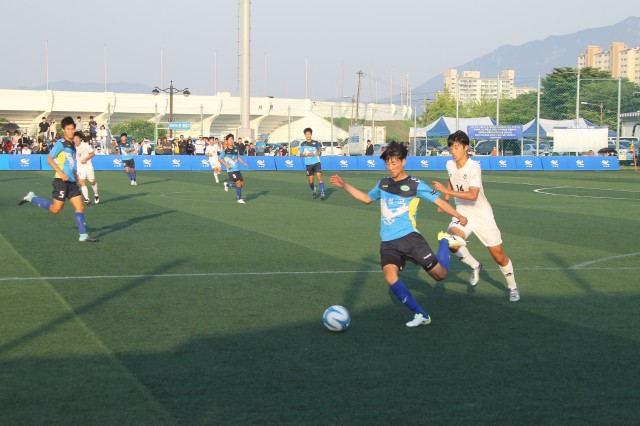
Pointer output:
544, 191
604, 259
266, 273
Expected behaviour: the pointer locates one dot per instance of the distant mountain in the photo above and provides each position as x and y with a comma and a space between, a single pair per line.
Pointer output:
119, 87
540, 57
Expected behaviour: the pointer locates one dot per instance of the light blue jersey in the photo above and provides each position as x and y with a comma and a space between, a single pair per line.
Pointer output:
64, 154
123, 148
399, 205
230, 156
313, 147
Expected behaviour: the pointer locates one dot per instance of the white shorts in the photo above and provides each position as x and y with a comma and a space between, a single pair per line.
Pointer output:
485, 229
86, 173
215, 164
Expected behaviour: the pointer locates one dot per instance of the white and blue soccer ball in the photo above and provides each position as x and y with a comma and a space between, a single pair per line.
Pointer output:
336, 318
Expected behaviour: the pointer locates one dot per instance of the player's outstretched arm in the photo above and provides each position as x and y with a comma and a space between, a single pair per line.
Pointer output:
447, 208
242, 162
470, 195
353, 191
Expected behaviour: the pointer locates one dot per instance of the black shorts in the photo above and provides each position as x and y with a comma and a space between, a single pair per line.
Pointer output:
65, 189
412, 246
129, 163
235, 176
314, 168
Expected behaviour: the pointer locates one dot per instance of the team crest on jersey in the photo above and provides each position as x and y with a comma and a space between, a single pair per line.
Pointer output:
404, 188
464, 176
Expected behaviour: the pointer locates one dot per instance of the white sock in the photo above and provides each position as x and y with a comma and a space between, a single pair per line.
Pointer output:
215, 175
508, 275
465, 257
85, 192
95, 189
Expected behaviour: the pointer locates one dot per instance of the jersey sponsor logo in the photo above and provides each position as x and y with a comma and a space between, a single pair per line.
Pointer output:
146, 162
24, 162
175, 162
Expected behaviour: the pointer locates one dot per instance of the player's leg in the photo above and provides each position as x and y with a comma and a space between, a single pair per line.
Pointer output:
506, 267
216, 172
94, 187
310, 180
83, 188
128, 172
392, 263
239, 186
133, 174
78, 205
462, 253
320, 183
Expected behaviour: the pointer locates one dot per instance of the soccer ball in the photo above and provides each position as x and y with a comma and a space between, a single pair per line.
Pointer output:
336, 318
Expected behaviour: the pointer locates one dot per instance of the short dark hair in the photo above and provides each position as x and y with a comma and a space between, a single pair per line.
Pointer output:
229, 136
394, 150
123, 134
78, 134
458, 136
67, 121
308, 129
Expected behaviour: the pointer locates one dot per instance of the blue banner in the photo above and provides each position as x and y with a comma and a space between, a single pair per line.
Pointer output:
344, 163
554, 163
24, 162
4, 162
483, 160
503, 163
427, 163
289, 163
200, 163
494, 132
107, 162
528, 163
260, 163
606, 163
370, 163
43, 162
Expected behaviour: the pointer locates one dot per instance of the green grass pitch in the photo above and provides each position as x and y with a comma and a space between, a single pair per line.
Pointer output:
195, 310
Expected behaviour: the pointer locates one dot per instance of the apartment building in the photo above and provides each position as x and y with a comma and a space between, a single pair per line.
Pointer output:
470, 86
619, 60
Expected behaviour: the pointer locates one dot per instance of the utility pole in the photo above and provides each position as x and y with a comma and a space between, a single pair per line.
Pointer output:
360, 74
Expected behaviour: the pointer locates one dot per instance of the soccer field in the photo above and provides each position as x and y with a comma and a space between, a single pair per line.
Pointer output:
195, 310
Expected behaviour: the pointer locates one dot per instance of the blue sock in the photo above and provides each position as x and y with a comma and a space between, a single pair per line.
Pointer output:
444, 255
312, 186
404, 295
129, 176
232, 185
321, 185
239, 192
82, 227
41, 202
134, 175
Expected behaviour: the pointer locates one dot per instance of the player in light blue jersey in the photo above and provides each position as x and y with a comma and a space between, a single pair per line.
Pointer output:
230, 158
62, 159
399, 196
126, 152
311, 151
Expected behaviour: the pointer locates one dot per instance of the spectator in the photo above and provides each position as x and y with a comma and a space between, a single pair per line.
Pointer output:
251, 151
260, 146
200, 146
99, 151
165, 147
102, 137
182, 146
190, 147
267, 149
79, 124
283, 151
113, 147
146, 147
369, 150
136, 147
93, 129
240, 146
52, 129
43, 127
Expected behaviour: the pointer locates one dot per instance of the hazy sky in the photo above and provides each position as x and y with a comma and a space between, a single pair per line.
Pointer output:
317, 41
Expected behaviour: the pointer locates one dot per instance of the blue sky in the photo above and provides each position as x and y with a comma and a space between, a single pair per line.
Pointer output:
307, 45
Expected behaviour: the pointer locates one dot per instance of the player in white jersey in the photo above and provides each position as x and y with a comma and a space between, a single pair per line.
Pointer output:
465, 185
84, 154
213, 151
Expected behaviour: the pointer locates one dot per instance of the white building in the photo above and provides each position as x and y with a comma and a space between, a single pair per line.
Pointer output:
471, 87
619, 60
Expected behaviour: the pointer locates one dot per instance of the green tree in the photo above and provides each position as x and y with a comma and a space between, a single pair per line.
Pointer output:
520, 110
137, 128
482, 108
443, 106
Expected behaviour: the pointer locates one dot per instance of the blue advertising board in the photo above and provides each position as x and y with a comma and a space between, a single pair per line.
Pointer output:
4, 162
427, 163
24, 162
503, 163
483, 160
289, 163
370, 163
528, 163
43, 162
200, 163
260, 163
344, 163
494, 132
554, 163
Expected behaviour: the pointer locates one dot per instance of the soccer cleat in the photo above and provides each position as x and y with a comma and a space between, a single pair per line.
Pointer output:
96, 199
27, 198
226, 188
87, 202
322, 196
135, 183
314, 194
419, 320
132, 183
454, 240
475, 275
87, 239
514, 294
241, 201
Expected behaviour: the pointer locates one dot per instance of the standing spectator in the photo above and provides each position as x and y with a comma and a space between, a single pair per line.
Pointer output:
53, 131
190, 148
284, 151
136, 147
102, 137
43, 127
260, 146
200, 146
146, 147
79, 124
15, 141
182, 146
369, 150
93, 129
113, 147
239, 145
251, 151
100, 151
25, 140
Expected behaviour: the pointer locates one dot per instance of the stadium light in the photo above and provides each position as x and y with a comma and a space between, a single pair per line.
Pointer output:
170, 90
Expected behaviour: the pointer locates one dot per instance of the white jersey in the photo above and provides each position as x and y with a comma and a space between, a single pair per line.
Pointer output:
213, 152
83, 151
462, 180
